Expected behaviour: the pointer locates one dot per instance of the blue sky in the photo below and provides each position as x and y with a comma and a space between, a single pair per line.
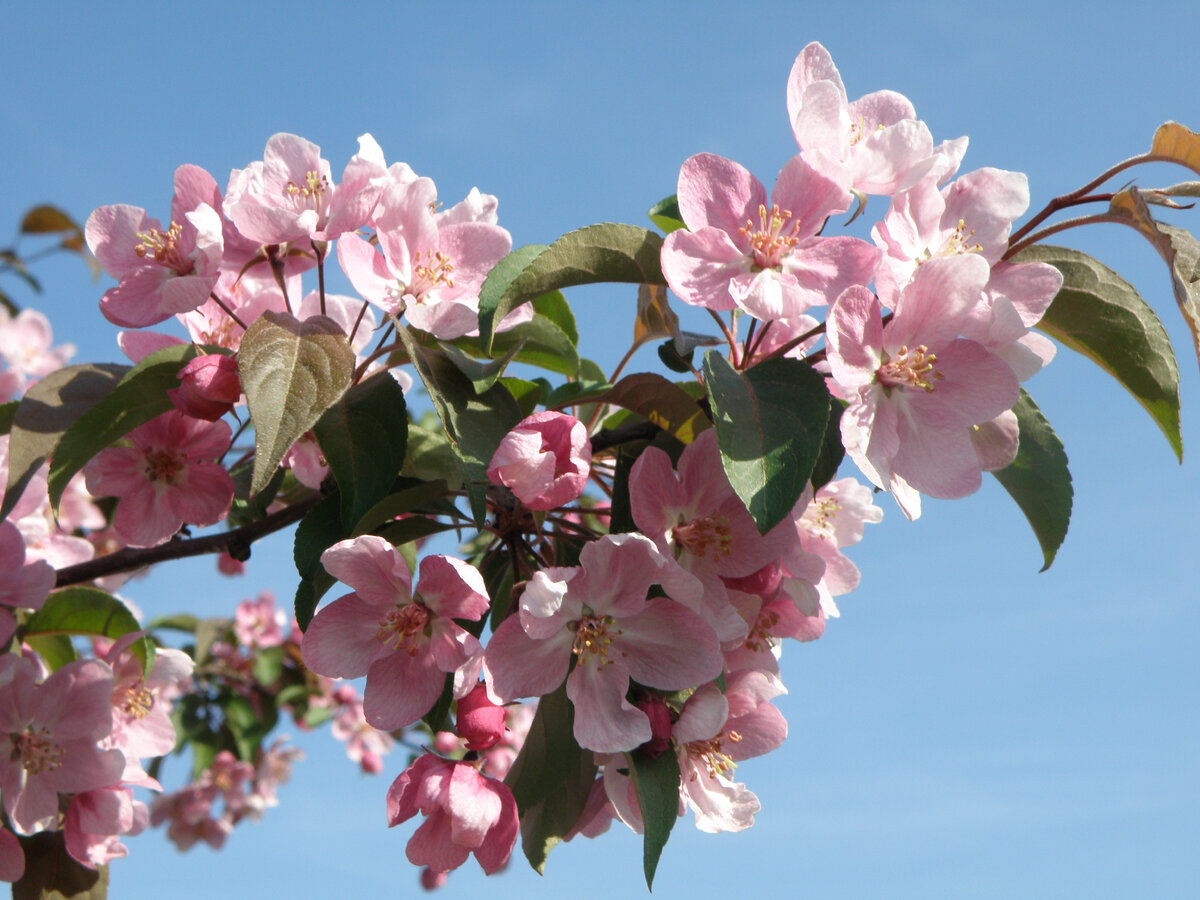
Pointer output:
968, 727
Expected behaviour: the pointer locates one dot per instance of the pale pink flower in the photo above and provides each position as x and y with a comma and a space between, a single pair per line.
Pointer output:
96, 821
915, 389
365, 745
544, 460
307, 462
742, 250
404, 640
168, 477
868, 145
24, 585
834, 519
467, 812
598, 613
53, 730
25, 344
259, 622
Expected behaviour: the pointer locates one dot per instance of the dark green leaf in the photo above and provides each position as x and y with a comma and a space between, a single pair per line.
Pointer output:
140, 396
666, 215
481, 375
7, 412
46, 411
547, 822
574, 392
656, 782
363, 437
662, 402
553, 306
1099, 314
316, 533
770, 422
84, 610
1039, 480
438, 717
291, 372
832, 451
542, 343
605, 252
497, 283
51, 873
414, 495
526, 393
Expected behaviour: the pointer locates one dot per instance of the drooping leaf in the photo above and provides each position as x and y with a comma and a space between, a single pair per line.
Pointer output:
363, 437
1178, 144
553, 305
399, 502
47, 219
656, 782
666, 215
475, 423
51, 873
84, 610
316, 533
655, 318
291, 372
550, 778
140, 396
605, 252
663, 403
1039, 480
46, 411
1099, 314
770, 422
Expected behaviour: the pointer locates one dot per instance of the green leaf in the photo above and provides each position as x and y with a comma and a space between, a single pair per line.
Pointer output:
662, 402
399, 502
1039, 480
7, 412
481, 375
363, 437
475, 423
605, 252
666, 215
656, 782
1099, 314
574, 392
140, 396
497, 283
771, 422
44, 414
291, 372
56, 650
540, 342
526, 393
438, 717
832, 451
51, 873
84, 610
550, 778
553, 306
430, 456
316, 533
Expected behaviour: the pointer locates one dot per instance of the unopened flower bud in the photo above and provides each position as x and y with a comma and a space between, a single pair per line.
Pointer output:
209, 386
480, 721
660, 725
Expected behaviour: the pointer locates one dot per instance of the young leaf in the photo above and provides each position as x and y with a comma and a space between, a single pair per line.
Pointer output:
292, 372
666, 215
1039, 480
605, 252
1177, 144
663, 403
46, 411
1099, 314
83, 610
770, 422
363, 437
656, 782
655, 318
140, 396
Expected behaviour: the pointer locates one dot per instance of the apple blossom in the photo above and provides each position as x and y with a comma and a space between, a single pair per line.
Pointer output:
544, 460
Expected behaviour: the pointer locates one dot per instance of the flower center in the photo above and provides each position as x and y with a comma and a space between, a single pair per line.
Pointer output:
165, 465
36, 751
910, 369
708, 536
137, 701
760, 639
710, 754
956, 244
592, 639
434, 272
768, 241
819, 516
310, 194
162, 248
403, 627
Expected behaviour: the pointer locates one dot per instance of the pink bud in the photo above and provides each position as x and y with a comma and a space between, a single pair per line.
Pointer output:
209, 386
480, 721
431, 880
764, 582
660, 725
544, 460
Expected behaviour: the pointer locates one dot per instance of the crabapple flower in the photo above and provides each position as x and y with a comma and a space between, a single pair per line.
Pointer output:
95, 822
403, 640
467, 812
479, 721
364, 745
168, 477
25, 345
598, 614
544, 460
866, 146
209, 387
915, 389
24, 585
259, 622
743, 251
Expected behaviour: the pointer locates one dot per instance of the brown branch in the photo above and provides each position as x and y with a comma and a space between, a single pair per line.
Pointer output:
236, 542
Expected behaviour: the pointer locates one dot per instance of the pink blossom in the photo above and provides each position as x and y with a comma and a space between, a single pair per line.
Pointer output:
141, 703
598, 613
743, 251
24, 585
53, 729
916, 390
365, 745
95, 822
168, 477
209, 387
868, 145
25, 345
467, 812
404, 641
12, 857
479, 721
545, 460
259, 622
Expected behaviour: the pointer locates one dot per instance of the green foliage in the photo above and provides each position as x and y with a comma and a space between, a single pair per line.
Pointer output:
662, 402
84, 610
656, 782
666, 215
291, 372
771, 421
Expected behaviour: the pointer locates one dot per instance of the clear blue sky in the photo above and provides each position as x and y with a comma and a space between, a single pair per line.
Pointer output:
968, 728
